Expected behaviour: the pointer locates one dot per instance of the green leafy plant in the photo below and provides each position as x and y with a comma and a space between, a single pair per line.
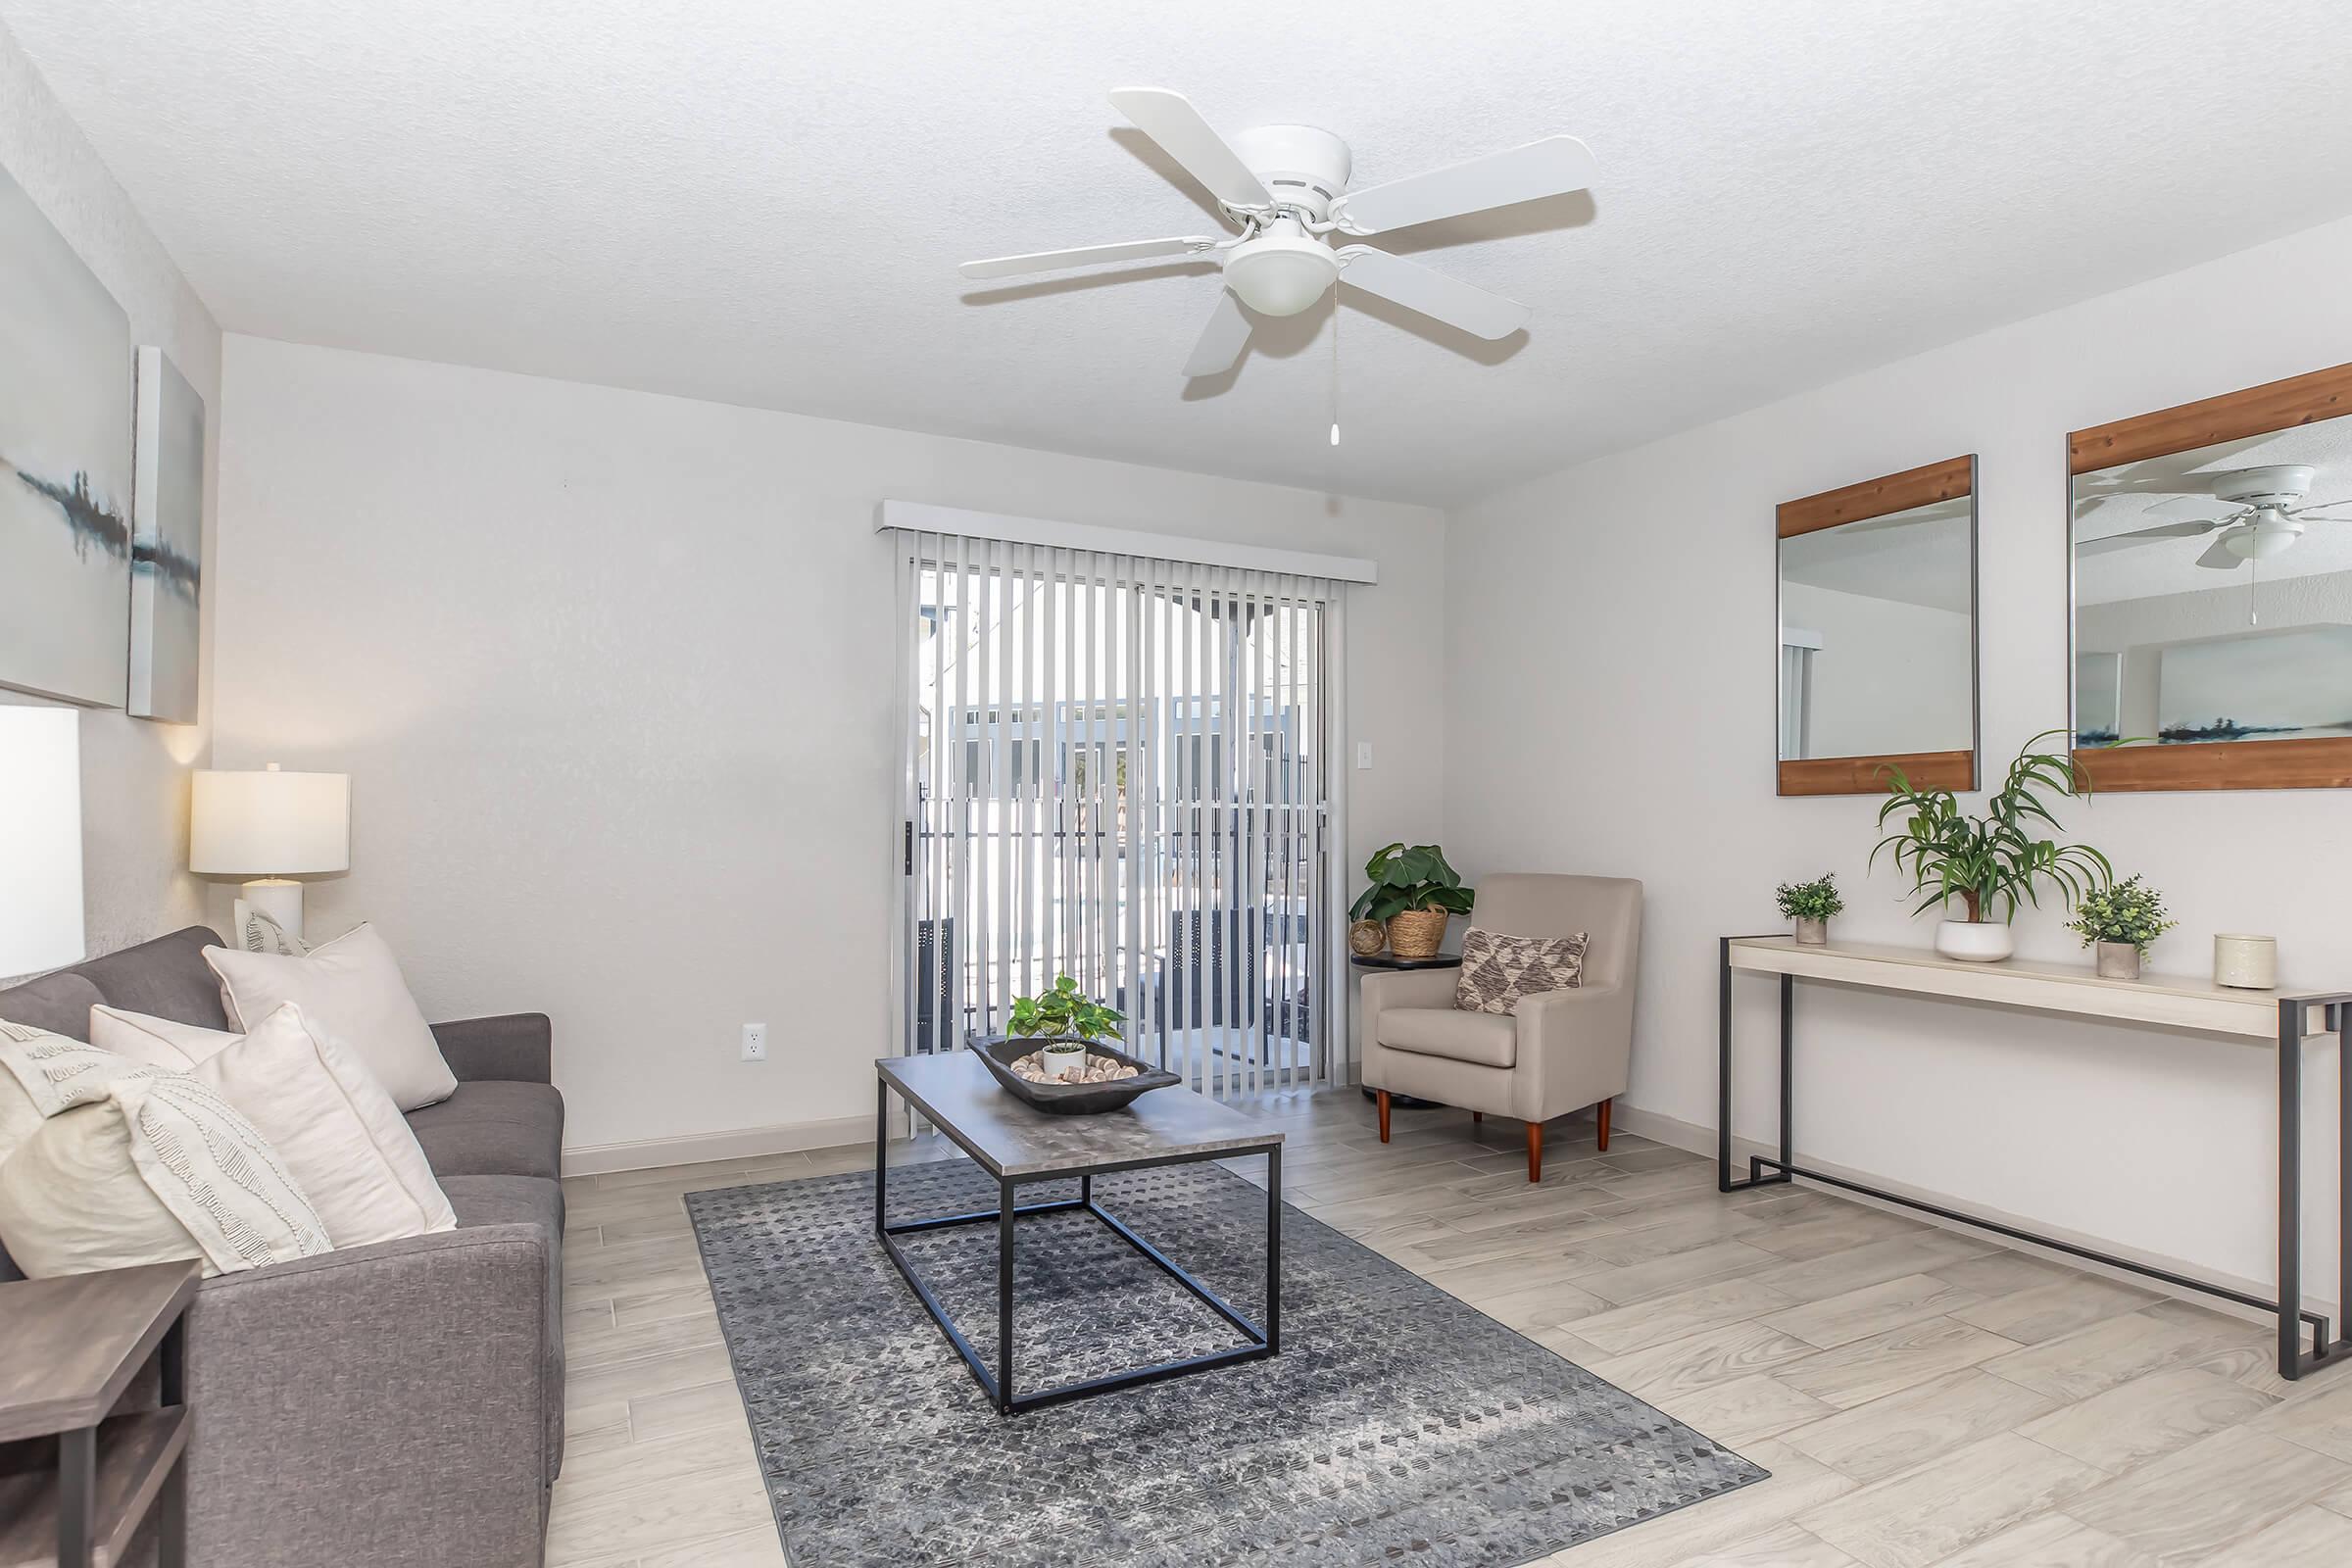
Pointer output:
1816, 900
1067, 1010
1994, 858
1402, 880
2128, 910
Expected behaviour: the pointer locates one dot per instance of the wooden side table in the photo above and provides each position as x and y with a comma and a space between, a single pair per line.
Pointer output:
1388, 962
77, 1482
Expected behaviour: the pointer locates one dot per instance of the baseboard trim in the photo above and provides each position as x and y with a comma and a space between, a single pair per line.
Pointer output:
1698, 1140
695, 1149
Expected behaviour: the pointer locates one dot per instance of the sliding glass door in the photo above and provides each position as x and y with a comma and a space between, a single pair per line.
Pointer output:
1116, 772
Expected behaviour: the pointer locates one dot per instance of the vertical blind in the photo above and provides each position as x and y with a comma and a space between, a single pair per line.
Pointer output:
1116, 770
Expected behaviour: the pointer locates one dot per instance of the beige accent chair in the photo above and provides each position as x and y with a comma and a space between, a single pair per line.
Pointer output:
1554, 1052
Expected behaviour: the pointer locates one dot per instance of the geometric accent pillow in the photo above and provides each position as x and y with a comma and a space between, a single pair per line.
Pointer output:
135, 1165
318, 1107
1497, 969
350, 988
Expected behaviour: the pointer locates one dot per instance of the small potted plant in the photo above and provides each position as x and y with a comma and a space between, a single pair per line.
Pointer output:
1064, 1022
1811, 905
2120, 920
1412, 892
1988, 863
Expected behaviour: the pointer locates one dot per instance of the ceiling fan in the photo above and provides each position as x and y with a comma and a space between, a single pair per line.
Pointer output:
1287, 188
2264, 515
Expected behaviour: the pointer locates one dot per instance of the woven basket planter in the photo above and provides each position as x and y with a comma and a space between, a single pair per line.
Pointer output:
1416, 933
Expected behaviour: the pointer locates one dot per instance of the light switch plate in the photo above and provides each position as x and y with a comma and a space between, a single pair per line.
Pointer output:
1363, 755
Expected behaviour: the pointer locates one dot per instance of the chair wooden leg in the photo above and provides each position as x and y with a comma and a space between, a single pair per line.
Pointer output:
1535, 1151
1382, 1095
1602, 1115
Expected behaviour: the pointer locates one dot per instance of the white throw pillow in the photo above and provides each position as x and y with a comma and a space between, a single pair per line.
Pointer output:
134, 1165
163, 1043
349, 988
319, 1107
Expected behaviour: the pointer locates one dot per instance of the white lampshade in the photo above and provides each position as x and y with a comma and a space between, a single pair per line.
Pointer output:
269, 823
41, 839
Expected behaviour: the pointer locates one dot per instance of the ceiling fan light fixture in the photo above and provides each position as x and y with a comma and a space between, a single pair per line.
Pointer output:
1282, 272
2261, 539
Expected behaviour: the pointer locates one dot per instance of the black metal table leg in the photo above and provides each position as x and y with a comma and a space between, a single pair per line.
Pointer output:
1005, 1219
1783, 1171
881, 1151
171, 1508
2291, 1188
1274, 1252
76, 1497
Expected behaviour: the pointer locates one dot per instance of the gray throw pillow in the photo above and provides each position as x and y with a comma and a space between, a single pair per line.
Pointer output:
1498, 969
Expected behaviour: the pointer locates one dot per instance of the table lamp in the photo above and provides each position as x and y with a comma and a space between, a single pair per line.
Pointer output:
271, 827
40, 840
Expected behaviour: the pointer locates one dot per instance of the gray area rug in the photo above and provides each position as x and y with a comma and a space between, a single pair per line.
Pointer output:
1398, 1425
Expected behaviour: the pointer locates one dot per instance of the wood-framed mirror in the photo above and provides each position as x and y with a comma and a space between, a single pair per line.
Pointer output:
1877, 617
2211, 626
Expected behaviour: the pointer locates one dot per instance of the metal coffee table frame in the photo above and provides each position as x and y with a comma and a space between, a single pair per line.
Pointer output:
1263, 1342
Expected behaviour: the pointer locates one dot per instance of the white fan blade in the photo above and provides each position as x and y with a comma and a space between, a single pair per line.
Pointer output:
2184, 505
2109, 543
1085, 256
2220, 556
1222, 340
2319, 506
1171, 120
1552, 167
1431, 293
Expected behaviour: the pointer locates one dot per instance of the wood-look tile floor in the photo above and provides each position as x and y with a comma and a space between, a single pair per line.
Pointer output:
1921, 1397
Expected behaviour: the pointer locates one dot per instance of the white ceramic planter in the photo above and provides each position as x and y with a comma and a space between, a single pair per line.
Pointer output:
1974, 940
1068, 1064
2118, 961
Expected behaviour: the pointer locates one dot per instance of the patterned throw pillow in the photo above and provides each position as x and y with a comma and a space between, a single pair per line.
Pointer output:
1497, 969
132, 1164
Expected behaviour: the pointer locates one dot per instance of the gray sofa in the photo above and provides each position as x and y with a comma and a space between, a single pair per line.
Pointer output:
398, 1405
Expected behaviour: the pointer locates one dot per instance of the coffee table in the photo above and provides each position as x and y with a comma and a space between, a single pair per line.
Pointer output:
1017, 1144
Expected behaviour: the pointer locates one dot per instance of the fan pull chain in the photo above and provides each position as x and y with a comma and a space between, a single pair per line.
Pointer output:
2253, 582
1335, 367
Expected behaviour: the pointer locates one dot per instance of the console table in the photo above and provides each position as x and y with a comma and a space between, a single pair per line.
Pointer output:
2279, 1020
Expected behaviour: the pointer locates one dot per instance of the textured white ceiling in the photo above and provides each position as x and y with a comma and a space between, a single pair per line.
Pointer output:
764, 201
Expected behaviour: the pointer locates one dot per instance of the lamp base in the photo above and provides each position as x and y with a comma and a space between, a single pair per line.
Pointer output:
280, 899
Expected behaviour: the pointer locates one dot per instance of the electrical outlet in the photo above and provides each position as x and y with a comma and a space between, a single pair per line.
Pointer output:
754, 1042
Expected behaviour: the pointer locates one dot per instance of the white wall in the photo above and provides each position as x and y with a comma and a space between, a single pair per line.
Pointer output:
2142, 629
134, 793
1888, 676
612, 673
1657, 761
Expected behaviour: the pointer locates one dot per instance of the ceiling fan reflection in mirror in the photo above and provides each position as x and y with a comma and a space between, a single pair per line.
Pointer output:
1286, 189
2263, 514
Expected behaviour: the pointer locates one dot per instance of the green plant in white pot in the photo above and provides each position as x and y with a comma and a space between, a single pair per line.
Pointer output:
1988, 863
1064, 1022
2120, 921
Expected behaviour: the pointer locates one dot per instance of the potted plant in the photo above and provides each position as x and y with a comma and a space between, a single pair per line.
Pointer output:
1810, 904
1988, 863
1064, 1022
2120, 921
1412, 892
